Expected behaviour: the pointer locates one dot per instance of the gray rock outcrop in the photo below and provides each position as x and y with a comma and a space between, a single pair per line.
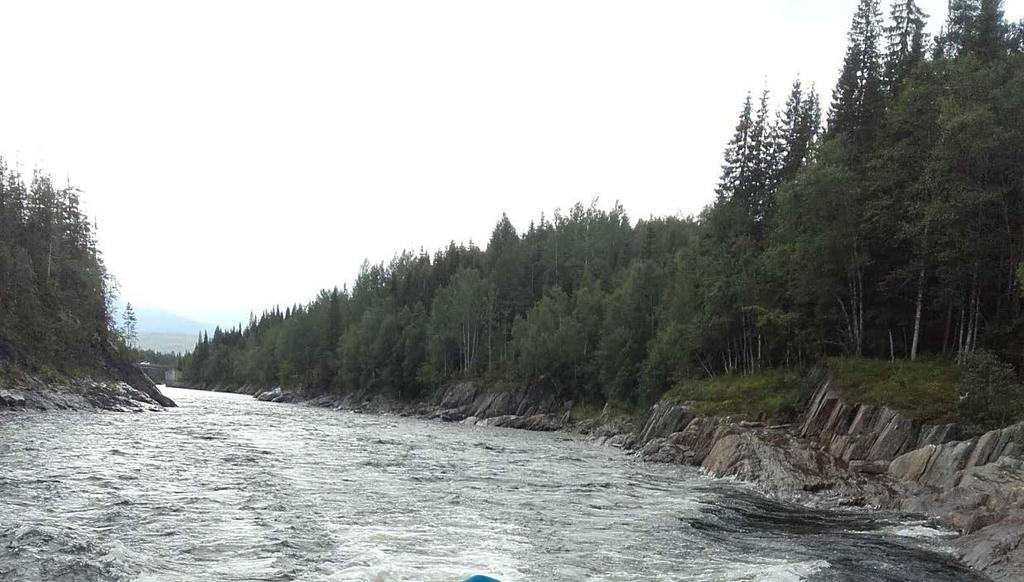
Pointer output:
866, 432
29, 392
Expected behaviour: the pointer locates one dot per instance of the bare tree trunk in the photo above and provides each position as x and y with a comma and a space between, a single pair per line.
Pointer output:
749, 341
855, 315
977, 318
917, 317
860, 312
465, 349
972, 322
969, 335
960, 334
892, 347
848, 321
949, 324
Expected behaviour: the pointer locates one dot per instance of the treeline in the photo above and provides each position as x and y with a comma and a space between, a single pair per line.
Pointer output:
890, 225
55, 308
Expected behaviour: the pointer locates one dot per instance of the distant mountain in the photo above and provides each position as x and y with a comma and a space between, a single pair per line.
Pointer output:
164, 331
157, 320
168, 342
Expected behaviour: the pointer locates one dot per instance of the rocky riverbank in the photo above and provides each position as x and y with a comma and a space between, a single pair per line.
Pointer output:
123, 388
838, 455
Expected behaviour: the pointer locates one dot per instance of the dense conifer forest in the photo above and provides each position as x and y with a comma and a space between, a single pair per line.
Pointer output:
887, 223
55, 295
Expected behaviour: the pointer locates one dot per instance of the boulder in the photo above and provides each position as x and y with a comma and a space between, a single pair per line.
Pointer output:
910, 466
10, 399
269, 395
781, 465
943, 470
284, 396
997, 549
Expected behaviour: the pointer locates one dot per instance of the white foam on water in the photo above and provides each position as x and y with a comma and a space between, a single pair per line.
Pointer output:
227, 490
775, 571
791, 572
918, 531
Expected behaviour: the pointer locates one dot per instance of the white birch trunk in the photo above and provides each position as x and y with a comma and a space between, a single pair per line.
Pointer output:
917, 317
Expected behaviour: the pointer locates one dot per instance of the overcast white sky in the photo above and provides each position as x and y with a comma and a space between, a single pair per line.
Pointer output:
242, 154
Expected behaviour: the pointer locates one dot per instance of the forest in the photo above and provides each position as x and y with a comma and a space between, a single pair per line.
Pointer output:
885, 224
56, 300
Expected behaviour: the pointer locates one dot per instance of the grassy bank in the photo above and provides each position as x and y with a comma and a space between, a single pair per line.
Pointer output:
925, 390
767, 395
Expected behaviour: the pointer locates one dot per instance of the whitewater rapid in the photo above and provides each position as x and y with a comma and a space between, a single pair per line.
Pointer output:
226, 488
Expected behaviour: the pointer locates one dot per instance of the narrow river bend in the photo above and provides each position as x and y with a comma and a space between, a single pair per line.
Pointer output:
226, 488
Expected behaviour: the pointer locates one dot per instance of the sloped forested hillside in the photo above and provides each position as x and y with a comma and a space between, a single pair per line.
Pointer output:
55, 300
886, 223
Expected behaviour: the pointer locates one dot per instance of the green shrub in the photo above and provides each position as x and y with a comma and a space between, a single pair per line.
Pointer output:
990, 396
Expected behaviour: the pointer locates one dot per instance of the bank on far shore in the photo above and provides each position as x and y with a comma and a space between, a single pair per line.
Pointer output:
828, 437
115, 385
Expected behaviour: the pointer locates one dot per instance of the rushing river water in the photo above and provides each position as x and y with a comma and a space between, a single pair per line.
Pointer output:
228, 488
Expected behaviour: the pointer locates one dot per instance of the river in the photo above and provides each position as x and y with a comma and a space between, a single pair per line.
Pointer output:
229, 488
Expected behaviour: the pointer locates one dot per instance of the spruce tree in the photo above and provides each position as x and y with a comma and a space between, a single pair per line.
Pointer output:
796, 130
959, 30
736, 169
787, 128
905, 38
811, 121
763, 164
857, 100
129, 326
989, 38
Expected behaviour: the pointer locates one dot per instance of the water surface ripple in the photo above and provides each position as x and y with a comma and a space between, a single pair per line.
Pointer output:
226, 488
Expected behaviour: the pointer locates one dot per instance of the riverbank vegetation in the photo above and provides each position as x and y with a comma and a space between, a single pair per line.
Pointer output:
55, 295
927, 389
772, 395
888, 224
